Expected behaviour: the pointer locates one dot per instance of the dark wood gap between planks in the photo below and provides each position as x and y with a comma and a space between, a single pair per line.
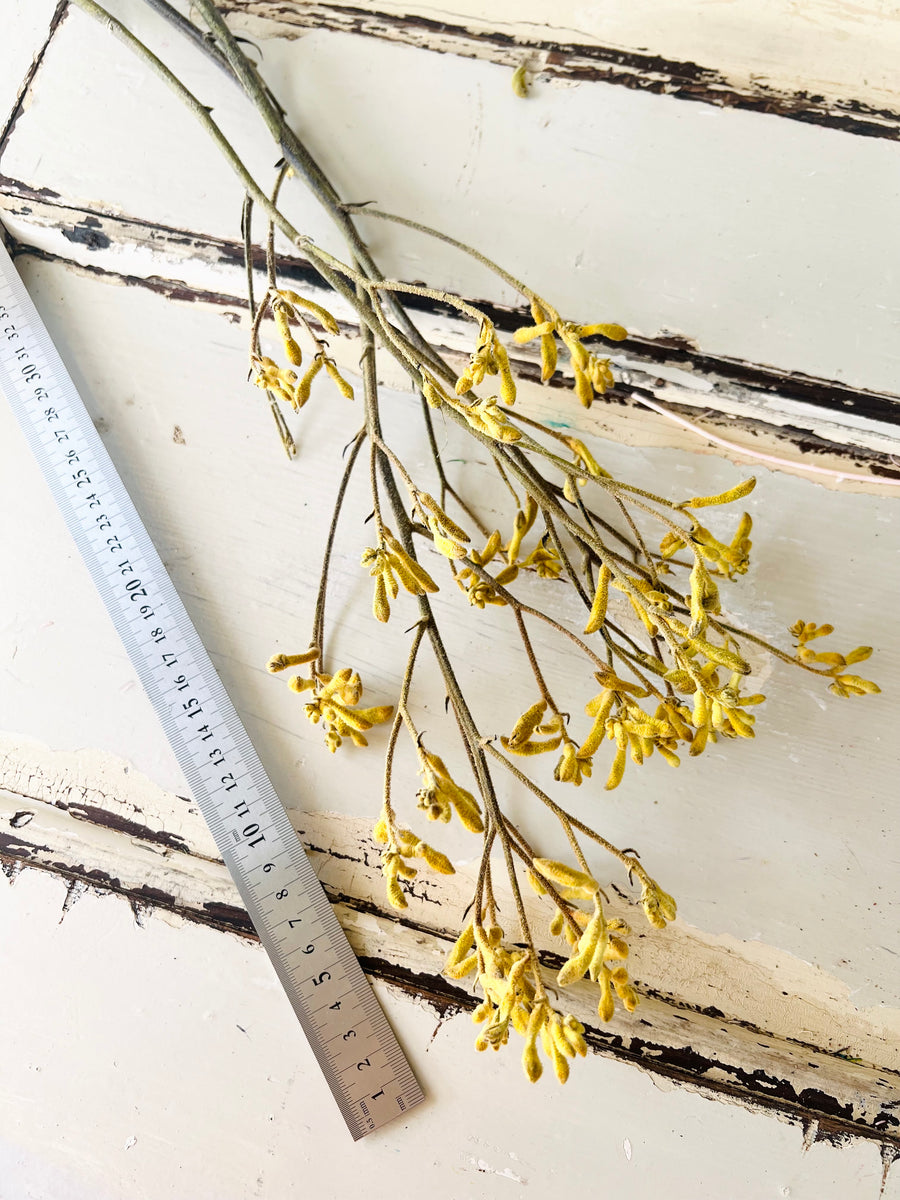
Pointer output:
97, 231
25, 88
823, 1116
576, 62
570, 61
827, 395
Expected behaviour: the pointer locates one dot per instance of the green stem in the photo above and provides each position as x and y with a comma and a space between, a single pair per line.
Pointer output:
271, 264
396, 724
319, 617
297, 154
200, 111
632, 864
535, 668
516, 284
463, 714
564, 559
446, 488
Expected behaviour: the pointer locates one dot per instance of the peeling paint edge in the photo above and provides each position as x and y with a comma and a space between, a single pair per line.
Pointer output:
25, 87
742, 385
681, 1066
98, 229
573, 62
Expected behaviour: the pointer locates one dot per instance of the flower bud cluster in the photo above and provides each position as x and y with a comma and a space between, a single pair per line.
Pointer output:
400, 845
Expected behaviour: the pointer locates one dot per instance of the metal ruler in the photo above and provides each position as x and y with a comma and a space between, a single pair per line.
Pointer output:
346, 1027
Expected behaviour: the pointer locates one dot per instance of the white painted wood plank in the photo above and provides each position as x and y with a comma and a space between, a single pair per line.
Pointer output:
27, 26
765, 240
175, 1067
818, 47
803, 422
756, 1020
786, 844
767, 841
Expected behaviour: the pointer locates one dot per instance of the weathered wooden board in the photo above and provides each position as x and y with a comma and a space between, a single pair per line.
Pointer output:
753, 237
157, 1061
250, 591
811, 426
816, 61
778, 986
21, 55
731, 1017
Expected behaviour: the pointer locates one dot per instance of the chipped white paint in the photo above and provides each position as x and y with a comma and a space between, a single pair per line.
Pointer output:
17, 53
746, 246
250, 591
770, 1013
51, 799
206, 271
182, 487
841, 51
181, 1039
505, 1173
78, 782
782, 854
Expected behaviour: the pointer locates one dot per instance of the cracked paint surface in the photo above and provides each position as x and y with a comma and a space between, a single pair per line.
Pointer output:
139, 991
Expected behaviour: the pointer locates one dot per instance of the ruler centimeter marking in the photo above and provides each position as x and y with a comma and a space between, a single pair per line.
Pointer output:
349, 1034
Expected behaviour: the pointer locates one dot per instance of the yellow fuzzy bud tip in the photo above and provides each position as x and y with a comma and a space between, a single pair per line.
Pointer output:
339, 381
531, 1063
735, 493
280, 662
617, 771
437, 861
462, 945
536, 883
298, 684
564, 875
520, 81
548, 357
303, 388
293, 352
381, 608
432, 392
598, 609
323, 314
612, 332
